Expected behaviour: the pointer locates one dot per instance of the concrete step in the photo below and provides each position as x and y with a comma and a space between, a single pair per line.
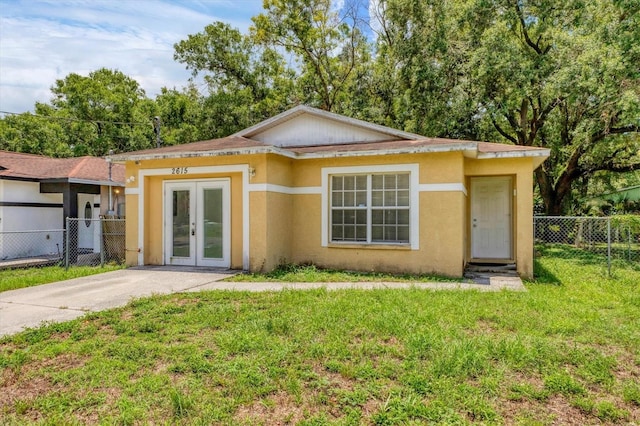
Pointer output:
509, 268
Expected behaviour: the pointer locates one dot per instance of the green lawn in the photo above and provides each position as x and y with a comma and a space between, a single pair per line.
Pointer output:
313, 274
566, 351
11, 279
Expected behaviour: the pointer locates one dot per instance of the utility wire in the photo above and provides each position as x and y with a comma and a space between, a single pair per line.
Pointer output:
49, 117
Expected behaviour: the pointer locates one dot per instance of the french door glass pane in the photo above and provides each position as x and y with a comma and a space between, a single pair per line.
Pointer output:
181, 239
212, 223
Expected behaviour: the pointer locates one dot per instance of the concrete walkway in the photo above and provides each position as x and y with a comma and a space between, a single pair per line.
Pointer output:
66, 300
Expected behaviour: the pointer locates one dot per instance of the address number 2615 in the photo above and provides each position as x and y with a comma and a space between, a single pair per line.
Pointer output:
179, 170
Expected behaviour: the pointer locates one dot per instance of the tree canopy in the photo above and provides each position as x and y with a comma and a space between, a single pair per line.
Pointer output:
560, 75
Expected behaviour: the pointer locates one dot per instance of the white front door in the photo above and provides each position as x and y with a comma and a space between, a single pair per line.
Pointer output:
197, 223
87, 228
491, 225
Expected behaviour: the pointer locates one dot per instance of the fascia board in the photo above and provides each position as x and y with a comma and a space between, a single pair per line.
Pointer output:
538, 156
418, 150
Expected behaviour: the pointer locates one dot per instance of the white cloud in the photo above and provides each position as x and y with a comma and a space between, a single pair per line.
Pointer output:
41, 41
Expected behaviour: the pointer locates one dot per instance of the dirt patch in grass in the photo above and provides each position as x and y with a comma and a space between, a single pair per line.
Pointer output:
27, 384
484, 326
556, 410
566, 414
278, 409
627, 367
281, 408
334, 380
16, 388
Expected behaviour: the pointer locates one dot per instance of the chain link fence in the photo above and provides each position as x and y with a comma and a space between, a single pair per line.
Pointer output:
93, 242
31, 248
85, 242
608, 241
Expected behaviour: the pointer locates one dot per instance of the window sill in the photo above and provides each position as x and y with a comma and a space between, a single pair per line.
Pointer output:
370, 246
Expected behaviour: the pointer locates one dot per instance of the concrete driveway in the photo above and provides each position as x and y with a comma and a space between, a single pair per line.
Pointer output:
66, 300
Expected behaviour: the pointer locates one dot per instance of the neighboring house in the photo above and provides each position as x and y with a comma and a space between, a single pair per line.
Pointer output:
37, 193
629, 198
312, 186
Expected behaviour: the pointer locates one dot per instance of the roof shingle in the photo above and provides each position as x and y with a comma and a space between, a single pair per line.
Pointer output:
39, 167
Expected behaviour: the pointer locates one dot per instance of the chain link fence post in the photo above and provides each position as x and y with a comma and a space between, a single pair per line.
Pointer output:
609, 247
66, 244
102, 244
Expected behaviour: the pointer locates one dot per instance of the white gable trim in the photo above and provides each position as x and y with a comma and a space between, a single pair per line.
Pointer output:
386, 133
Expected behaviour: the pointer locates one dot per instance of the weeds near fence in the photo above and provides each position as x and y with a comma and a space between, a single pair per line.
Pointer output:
12, 279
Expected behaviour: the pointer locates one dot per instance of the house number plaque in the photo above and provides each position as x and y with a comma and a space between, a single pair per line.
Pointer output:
179, 170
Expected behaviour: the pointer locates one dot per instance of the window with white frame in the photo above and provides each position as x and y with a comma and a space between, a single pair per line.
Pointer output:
370, 208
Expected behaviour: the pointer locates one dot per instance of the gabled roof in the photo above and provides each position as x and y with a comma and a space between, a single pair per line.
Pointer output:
283, 130
91, 170
340, 136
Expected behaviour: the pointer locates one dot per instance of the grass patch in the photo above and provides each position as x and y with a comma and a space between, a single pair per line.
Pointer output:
12, 279
312, 274
564, 352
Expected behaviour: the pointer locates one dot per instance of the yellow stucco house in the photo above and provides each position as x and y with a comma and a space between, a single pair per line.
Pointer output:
312, 186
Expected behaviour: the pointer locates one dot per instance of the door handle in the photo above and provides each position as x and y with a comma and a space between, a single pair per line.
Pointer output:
193, 229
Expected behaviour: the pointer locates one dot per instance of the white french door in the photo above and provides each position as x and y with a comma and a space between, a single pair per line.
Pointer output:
197, 223
491, 224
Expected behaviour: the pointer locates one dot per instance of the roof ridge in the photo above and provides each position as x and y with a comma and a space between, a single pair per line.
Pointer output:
78, 165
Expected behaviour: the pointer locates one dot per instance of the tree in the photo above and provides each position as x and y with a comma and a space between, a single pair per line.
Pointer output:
562, 76
102, 109
247, 82
559, 75
422, 79
330, 50
31, 134
181, 115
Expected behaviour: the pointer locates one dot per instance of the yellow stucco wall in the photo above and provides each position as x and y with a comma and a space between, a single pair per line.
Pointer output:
152, 247
286, 225
441, 247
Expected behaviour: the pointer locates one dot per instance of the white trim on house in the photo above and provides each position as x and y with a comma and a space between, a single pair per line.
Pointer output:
239, 168
442, 187
131, 191
291, 190
469, 150
93, 182
310, 190
538, 156
414, 178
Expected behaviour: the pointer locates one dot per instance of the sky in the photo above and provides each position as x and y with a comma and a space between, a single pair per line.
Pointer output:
42, 41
